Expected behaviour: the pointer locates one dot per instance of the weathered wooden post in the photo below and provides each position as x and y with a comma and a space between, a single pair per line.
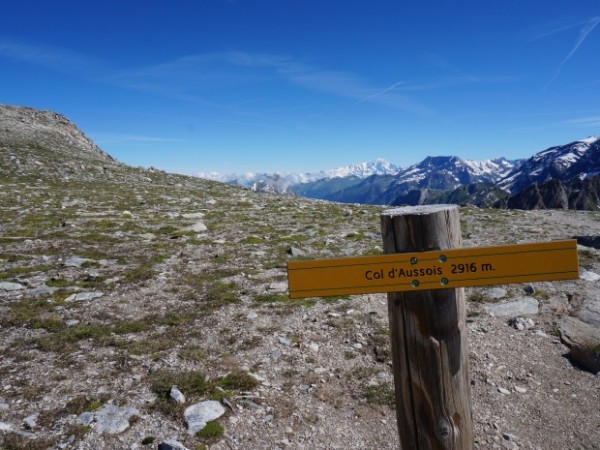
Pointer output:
428, 336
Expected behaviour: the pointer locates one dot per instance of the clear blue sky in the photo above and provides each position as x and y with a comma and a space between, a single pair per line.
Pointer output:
300, 85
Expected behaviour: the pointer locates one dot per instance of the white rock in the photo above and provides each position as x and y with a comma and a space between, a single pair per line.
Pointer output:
521, 307
495, 292
8, 286
313, 347
112, 419
198, 227
503, 391
83, 296
197, 215
586, 275
5, 426
177, 395
196, 416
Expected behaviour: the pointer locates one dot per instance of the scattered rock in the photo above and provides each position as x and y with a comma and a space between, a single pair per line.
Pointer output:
198, 227
197, 215
525, 306
196, 416
583, 341
112, 419
529, 289
295, 251
586, 275
83, 296
284, 341
171, 444
177, 395
75, 261
278, 287
30, 422
495, 292
8, 286
521, 323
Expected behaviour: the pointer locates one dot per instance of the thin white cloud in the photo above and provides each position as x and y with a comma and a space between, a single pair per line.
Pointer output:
584, 122
200, 78
377, 94
586, 28
55, 58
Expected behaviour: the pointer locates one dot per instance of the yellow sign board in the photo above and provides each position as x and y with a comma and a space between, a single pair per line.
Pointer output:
441, 269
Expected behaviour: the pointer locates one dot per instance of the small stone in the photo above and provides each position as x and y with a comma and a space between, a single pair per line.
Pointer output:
86, 418
313, 347
177, 395
127, 214
520, 390
357, 346
5, 426
278, 287
75, 261
503, 391
252, 315
83, 296
30, 421
295, 251
8, 286
521, 323
495, 293
196, 416
529, 289
112, 419
198, 227
171, 444
521, 307
284, 341
586, 275
197, 215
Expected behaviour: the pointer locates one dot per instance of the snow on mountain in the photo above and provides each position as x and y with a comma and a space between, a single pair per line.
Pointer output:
280, 182
363, 170
579, 159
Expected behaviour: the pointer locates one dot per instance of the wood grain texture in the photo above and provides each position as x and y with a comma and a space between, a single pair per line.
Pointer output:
429, 339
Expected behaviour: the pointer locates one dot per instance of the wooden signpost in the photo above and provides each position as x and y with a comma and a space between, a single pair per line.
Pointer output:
424, 271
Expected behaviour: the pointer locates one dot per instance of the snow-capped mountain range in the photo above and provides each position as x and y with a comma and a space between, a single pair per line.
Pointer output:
280, 182
579, 159
438, 178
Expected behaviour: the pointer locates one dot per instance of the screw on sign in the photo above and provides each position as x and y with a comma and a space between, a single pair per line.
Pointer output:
423, 272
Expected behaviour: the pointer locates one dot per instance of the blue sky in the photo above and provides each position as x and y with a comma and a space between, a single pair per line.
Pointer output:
299, 85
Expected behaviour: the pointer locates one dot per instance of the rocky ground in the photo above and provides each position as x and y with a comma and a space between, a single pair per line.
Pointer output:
117, 284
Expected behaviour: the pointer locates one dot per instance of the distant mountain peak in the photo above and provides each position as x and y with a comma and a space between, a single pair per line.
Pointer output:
363, 170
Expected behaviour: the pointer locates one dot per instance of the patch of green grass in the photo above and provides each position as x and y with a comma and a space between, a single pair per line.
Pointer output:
476, 297
192, 353
355, 236
16, 271
380, 394
221, 294
144, 271
252, 240
271, 298
211, 430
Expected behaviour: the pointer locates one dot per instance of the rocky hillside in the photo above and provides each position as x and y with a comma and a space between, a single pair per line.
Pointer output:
135, 305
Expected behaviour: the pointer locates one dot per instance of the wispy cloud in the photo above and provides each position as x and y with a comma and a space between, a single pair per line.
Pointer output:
55, 58
210, 79
584, 122
585, 28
